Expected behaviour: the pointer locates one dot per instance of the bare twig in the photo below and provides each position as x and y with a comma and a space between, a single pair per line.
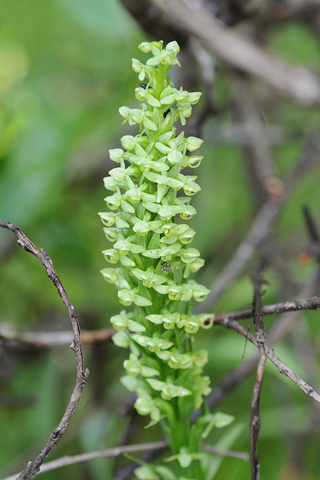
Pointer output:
255, 418
295, 82
313, 249
45, 340
225, 453
155, 21
33, 466
286, 322
258, 281
251, 121
115, 452
264, 183
235, 134
85, 457
262, 224
278, 331
208, 73
312, 303
257, 233
307, 159
312, 228
282, 367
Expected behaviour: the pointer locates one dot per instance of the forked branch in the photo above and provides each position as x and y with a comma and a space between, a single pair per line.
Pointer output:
33, 467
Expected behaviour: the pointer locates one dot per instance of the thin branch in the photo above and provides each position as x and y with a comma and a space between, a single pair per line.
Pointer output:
225, 453
208, 73
45, 340
281, 366
262, 224
312, 303
155, 21
309, 156
258, 281
278, 331
85, 457
115, 452
256, 234
255, 129
313, 249
255, 418
295, 82
258, 154
33, 466
311, 225
284, 325
236, 134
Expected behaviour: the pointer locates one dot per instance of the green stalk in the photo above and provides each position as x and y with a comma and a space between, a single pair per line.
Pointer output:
160, 80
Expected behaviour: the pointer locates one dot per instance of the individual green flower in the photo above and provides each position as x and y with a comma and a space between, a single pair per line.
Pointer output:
125, 321
147, 472
154, 344
145, 405
148, 277
134, 366
127, 297
168, 390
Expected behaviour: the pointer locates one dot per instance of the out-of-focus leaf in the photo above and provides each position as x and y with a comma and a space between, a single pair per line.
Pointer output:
225, 443
99, 17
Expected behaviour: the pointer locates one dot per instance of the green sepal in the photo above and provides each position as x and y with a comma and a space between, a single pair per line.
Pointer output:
131, 383
153, 344
121, 339
214, 420
168, 390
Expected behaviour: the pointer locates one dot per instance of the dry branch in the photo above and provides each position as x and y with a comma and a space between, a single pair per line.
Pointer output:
85, 457
257, 151
281, 366
256, 234
225, 453
33, 466
115, 452
255, 418
292, 81
313, 248
46, 340
262, 223
278, 331
312, 303
155, 21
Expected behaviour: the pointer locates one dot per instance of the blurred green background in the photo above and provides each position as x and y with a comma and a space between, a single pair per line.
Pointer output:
65, 69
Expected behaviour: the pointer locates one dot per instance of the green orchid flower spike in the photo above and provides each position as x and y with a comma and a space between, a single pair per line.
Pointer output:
154, 261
